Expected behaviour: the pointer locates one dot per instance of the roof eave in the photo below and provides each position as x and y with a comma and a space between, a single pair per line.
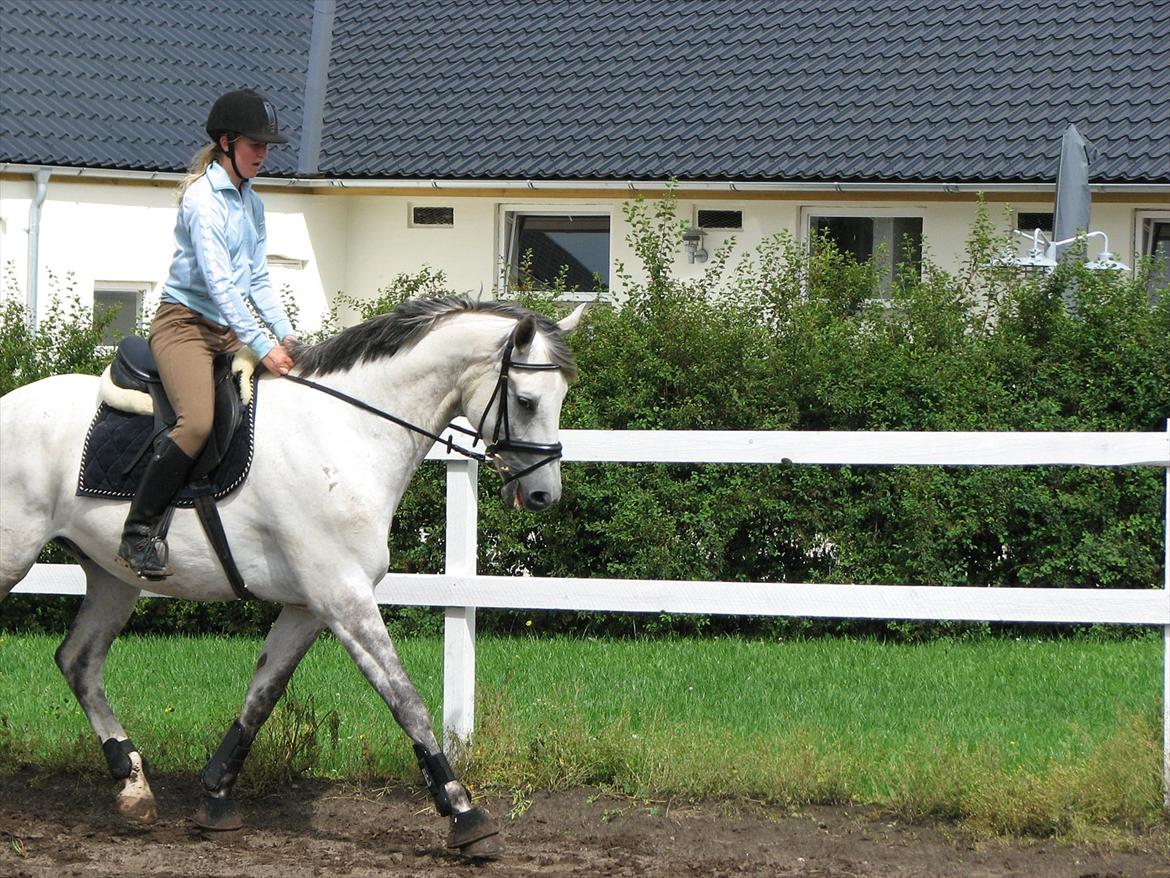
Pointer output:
631, 186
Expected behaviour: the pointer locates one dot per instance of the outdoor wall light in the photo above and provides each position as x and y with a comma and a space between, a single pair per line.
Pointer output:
693, 239
1042, 255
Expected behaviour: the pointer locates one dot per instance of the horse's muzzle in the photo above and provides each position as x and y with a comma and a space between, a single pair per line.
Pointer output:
516, 495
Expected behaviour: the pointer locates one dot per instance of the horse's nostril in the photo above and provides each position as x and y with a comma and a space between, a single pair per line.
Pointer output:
539, 500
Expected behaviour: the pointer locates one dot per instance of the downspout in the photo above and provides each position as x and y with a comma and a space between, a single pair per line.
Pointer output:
41, 179
316, 80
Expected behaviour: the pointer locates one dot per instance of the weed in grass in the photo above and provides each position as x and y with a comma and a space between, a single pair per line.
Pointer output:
289, 745
13, 752
1117, 785
932, 781
521, 802
558, 753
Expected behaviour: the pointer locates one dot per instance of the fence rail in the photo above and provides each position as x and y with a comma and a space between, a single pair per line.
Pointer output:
460, 590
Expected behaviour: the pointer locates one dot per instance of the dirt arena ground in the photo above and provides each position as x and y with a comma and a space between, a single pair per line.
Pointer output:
62, 825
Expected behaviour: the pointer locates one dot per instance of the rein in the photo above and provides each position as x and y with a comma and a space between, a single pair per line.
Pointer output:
499, 397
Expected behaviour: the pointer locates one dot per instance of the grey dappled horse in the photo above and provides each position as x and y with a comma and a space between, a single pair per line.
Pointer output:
308, 527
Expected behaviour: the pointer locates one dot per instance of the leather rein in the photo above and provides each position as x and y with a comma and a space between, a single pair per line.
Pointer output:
551, 450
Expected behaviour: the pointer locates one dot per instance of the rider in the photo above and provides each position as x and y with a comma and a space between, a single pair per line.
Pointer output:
219, 266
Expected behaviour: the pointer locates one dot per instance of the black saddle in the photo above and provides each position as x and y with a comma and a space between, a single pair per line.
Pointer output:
118, 442
117, 446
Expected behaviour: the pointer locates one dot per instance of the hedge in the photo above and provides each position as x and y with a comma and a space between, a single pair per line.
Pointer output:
795, 338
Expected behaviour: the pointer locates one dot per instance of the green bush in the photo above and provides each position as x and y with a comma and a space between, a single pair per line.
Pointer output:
796, 339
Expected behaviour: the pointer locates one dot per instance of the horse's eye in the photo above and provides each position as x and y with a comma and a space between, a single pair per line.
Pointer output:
526, 403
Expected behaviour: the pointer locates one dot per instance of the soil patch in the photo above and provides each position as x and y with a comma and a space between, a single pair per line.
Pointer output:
54, 825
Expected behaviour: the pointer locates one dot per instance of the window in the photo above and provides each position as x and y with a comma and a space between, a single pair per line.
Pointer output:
884, 237
1154, 243
124, 302
542, 251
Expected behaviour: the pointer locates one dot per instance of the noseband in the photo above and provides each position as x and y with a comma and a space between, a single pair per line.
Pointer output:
494, 451
553, 450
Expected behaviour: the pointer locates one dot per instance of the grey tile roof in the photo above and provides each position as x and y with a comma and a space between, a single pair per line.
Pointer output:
885, 90
127, 84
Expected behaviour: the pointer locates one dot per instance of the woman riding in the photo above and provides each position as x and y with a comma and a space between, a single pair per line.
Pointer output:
219, 266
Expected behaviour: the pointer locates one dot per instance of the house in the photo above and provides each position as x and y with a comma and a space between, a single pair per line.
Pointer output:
461, 134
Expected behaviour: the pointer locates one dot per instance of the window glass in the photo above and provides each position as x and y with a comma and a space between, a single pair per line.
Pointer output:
1156, 244
891, 241
547, 245
126, 306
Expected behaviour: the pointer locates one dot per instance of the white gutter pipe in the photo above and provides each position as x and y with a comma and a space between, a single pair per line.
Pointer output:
41, 181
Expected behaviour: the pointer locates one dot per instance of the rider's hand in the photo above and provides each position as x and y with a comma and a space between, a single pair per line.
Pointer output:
289, 343
277, 361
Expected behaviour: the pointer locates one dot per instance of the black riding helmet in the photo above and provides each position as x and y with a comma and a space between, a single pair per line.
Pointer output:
244, 112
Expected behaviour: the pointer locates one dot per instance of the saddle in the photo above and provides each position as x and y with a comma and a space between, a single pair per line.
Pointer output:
135, 411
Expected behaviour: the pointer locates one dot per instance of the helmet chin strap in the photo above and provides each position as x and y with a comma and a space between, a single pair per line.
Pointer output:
231, 154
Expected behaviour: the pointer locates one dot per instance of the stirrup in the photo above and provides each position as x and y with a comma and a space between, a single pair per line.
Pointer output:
141, 553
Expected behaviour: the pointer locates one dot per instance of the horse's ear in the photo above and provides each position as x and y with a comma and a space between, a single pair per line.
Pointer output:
568, 324
524, 333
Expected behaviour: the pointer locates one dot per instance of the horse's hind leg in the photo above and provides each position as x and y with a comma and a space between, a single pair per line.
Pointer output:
289, 639
81, 657
365, 637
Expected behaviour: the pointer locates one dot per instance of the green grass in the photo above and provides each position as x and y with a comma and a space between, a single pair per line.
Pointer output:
1029, 736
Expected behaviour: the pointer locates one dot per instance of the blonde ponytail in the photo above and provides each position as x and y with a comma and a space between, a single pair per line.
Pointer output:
199, 165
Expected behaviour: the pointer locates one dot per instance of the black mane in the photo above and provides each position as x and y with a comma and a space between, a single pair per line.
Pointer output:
385, 334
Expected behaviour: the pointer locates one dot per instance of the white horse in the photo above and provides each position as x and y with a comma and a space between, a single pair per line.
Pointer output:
308, 528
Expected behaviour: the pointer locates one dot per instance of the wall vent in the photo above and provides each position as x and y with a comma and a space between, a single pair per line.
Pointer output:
432, 216
1027, 222
721, 219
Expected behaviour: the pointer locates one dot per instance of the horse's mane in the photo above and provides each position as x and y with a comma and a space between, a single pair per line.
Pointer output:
386, 334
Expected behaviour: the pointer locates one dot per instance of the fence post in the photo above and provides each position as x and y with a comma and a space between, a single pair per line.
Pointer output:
459, 622
1166, 650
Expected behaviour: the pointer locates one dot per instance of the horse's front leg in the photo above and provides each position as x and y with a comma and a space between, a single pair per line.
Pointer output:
288, 640
81, 657
362, 632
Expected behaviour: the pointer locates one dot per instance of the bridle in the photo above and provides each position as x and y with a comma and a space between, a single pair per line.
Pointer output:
553, 450
498, 446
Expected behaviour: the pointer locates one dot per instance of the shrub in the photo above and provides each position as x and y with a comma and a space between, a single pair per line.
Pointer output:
790, 339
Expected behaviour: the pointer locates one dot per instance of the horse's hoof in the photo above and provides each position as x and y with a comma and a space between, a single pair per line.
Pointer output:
141, 810
475, 835
135, 800
218, 815
489, 848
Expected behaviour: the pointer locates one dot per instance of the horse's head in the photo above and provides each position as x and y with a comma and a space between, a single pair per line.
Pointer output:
517, 410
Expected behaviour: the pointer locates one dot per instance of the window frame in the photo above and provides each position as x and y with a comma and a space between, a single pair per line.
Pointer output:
1140, 218
507, 243
141, 291
810, 211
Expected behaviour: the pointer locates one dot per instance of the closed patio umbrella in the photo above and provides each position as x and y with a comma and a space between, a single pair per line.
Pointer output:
1073, 202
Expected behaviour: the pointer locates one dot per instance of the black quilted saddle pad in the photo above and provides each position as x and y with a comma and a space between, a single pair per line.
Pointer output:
114, 458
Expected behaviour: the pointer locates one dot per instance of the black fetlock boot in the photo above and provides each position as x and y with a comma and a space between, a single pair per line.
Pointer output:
142, 549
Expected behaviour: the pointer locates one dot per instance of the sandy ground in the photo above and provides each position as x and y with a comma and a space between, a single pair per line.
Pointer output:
63, 825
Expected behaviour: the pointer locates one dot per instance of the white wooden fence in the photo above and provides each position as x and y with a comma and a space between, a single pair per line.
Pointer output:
460, 590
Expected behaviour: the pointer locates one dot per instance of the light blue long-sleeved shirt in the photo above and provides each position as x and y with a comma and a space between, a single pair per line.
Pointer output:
221, 259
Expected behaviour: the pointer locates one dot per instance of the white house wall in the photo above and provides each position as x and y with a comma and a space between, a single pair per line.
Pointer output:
356, 242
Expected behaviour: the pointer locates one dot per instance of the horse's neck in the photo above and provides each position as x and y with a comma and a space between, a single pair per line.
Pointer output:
422, 384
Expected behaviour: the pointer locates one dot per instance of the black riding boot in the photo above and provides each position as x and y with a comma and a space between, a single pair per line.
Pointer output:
142, 550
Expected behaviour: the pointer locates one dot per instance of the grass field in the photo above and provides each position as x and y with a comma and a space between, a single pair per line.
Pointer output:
1009, 736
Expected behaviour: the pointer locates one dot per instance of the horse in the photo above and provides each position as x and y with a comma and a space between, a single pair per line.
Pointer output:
308, 527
